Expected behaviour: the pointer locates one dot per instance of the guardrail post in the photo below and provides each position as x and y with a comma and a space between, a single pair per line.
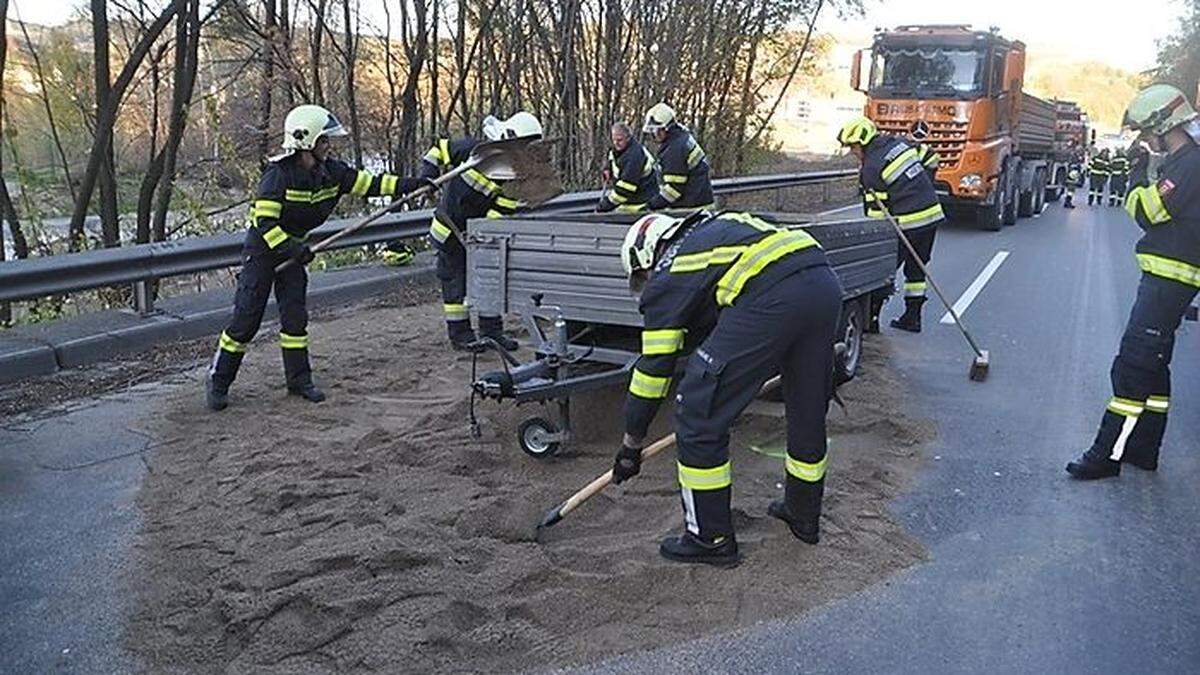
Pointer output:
143, 299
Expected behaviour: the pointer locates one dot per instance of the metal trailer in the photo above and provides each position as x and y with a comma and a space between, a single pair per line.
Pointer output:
562, 275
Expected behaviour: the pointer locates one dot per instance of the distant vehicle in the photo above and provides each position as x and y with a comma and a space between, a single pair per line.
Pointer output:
1004, 152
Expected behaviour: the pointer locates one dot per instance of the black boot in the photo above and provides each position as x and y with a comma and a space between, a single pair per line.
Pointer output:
1068, 202
221, 374
1147, 460
800, 508
1090, 467
492, 327
876, 307
298, 372
217, 397
688, 548
462, 337
910, 320
308, 392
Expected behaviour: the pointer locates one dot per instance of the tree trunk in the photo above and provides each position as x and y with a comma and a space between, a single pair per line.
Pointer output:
268, 80
110, 227
154, 166
351, 61
107, 116
187, 47
9, 212
410, 114
318, 96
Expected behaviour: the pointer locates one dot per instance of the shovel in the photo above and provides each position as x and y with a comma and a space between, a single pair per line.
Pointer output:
523, 163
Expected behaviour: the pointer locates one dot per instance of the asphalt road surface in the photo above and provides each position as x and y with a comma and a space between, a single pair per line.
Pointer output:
1028, 571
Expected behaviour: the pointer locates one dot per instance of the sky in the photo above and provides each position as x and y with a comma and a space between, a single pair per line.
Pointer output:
1119, 34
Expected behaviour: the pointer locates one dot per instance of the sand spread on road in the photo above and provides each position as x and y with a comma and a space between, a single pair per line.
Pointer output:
373, 532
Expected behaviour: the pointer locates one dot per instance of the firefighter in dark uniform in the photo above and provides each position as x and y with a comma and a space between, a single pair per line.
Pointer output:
445, 154
754, 301
1074, 179
1118, 169
893, 178
298, 191
685, 173
632, 172
472, 195
1167, 207
1097, 177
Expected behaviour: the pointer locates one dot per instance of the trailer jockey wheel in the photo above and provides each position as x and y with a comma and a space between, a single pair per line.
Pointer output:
538, 438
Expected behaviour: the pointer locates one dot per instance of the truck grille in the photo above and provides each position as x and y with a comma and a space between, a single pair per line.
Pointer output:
947, 138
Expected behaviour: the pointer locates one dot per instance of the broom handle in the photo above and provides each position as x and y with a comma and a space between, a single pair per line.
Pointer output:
384, 210
932, 284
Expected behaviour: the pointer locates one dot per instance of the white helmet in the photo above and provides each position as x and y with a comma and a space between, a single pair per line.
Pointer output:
660, 116
520, 125
305, 124
643, 238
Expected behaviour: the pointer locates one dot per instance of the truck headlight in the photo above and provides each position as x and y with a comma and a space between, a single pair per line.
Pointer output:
971, 181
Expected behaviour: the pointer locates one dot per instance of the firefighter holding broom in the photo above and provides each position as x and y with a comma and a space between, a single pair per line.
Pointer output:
758, 301
299, 189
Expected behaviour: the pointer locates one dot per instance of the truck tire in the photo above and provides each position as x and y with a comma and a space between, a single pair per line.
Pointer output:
1010, 196
1039, 198
990, 218
1027, 202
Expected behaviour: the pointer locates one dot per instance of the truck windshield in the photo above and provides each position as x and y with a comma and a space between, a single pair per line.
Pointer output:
927, 72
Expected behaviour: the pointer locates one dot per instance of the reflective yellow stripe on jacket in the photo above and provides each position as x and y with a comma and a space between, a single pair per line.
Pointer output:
1169, 268
663, 341
1149, 200
756, 258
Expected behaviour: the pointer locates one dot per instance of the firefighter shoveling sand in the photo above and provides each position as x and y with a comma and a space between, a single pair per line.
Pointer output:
373, 532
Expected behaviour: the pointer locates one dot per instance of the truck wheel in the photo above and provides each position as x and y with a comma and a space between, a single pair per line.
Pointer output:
1010, 196
533, 435
990, 218
1027, 202
1039, 195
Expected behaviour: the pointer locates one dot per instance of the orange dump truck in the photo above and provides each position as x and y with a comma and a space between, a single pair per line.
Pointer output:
960, 91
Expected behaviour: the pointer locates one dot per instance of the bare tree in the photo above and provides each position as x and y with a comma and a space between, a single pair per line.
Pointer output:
20, 245
109, 218
350, 54
106, 115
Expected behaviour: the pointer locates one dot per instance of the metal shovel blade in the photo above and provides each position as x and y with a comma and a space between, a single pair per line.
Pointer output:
525, 165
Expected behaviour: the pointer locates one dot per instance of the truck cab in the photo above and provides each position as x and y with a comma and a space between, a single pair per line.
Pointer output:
959, 91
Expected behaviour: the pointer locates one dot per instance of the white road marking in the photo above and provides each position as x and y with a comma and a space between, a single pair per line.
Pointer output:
964, 301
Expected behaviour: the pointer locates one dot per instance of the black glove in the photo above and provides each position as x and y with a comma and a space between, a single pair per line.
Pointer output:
627, 464
302, 254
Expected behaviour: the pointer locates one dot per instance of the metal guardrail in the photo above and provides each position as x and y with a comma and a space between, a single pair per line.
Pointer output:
52, 275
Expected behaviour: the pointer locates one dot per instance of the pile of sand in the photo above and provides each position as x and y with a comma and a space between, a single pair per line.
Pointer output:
374, 532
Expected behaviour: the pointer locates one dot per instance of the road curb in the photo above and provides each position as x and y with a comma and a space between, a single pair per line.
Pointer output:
46, 348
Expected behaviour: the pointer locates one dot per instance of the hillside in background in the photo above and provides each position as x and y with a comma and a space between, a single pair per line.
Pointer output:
1102, 90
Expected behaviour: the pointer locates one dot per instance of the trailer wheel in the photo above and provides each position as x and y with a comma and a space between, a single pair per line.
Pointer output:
534, 435
850, 333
